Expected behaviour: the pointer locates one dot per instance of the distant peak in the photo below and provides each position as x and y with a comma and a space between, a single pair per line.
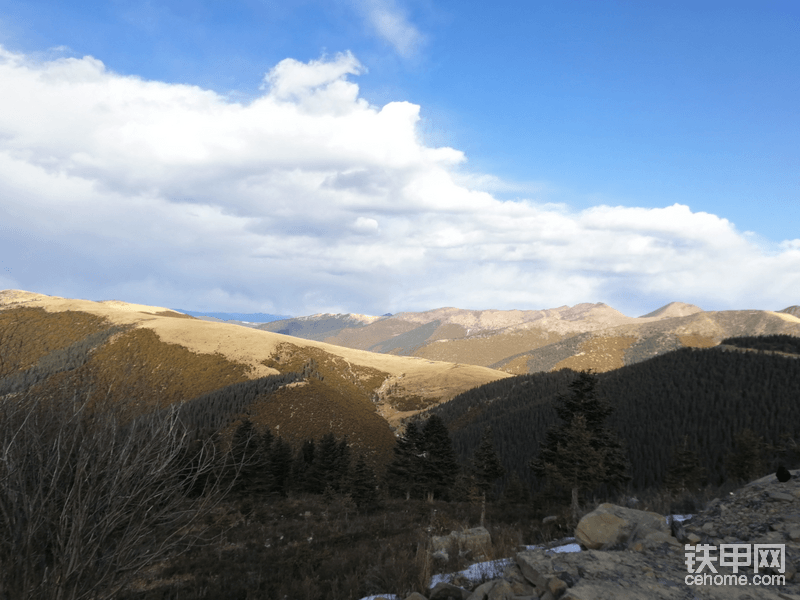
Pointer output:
673, 309
792, 310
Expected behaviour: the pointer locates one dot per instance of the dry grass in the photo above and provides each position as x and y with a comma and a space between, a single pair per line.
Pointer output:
311, 548
28, 334
694, 340
488, 349
599, 354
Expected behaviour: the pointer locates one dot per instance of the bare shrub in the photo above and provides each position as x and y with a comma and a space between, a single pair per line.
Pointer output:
87, 500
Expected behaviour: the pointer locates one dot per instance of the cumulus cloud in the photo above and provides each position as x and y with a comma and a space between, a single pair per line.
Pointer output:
309, 199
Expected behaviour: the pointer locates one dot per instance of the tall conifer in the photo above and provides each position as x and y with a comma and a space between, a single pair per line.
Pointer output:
486, 465
404, 472
440, 466
580, 453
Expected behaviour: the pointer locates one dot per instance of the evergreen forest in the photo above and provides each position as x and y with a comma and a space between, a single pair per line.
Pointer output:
710, 397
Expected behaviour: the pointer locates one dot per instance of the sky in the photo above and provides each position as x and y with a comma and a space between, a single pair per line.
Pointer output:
375, 156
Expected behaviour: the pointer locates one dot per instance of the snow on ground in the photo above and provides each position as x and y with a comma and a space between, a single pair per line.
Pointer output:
493, 569
679, 518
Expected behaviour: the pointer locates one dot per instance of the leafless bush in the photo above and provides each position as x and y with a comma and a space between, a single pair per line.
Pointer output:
87, 500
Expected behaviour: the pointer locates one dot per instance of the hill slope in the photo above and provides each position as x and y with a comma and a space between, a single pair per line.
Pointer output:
150, 357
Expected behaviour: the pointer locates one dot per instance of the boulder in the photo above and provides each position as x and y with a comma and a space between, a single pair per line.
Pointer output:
610, 526
482, 591
448, 591
501, 591
640, 559
476, 543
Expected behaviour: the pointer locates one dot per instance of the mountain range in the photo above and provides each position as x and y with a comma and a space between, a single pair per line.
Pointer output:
579, 337
353, 375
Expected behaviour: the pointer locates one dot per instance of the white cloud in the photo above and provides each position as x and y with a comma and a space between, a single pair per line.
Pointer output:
308, 200
391, 23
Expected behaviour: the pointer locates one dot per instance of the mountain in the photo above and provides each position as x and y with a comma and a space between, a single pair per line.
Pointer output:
674, 309
528, 341
238, 318
792, 310
318, 327
148, 358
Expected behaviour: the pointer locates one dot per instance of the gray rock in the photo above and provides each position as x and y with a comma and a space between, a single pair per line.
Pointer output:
502, 591
535, 566
610, 525
780, 496
447, 591
482, 591
476, 542
639, 559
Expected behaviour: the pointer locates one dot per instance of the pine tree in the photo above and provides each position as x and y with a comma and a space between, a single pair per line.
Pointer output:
579, 454
440, 468
486, 467
342, 464
516, 491
244, 457
323, 473
364, 486
280, 466
404, 472
746, 460
684, 472
301, 465
579, 466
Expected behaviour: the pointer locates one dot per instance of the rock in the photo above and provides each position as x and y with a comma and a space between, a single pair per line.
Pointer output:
415, 596
502, 591
447, 591
610, 525
640, 559
556, 587
440, 555
535, 566
476, 541
482, 591
519, 584
780, 496
550, 519
693, 539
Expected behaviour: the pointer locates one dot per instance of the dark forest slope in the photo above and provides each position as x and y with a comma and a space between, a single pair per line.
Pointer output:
707, 394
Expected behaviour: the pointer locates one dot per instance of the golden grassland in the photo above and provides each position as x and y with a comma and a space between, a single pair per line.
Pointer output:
138, 360
487, 349
27, 334
599, 354
159, 357
694, 340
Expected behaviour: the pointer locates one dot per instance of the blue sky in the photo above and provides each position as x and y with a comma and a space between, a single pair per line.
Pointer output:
375, 156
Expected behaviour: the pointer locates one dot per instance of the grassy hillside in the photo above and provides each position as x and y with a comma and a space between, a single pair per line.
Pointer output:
148, 358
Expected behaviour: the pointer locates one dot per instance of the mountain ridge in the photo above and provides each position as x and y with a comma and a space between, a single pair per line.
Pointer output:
149, 357
586, 335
